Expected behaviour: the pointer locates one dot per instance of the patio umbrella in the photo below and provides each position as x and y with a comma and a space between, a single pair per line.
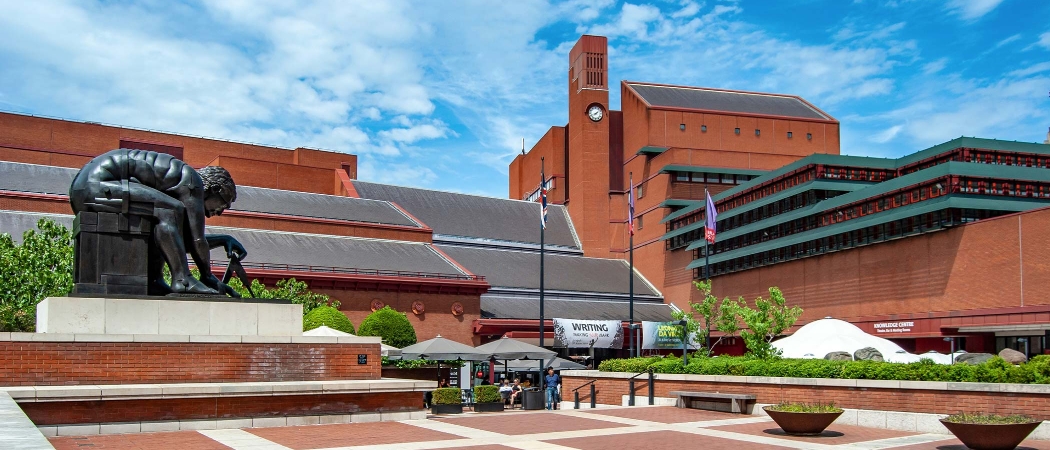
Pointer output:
440, 349
557, 364
390, 351
506, 349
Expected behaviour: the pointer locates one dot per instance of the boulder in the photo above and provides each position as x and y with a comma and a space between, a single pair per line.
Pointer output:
1013, 356
867, 354
973, 358
838, 356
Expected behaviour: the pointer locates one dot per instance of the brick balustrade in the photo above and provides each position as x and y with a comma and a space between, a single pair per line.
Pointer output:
34, 363
904, 396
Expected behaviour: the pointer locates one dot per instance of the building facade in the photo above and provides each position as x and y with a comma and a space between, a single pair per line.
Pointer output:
931, 245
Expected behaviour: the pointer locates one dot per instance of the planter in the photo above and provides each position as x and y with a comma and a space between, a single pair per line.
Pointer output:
991, 436
488, 407
802, 423
447, 409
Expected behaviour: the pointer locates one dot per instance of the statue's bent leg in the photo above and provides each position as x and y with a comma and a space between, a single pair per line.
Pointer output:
170, 215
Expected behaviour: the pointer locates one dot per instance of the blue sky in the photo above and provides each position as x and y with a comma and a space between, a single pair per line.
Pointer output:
439, 94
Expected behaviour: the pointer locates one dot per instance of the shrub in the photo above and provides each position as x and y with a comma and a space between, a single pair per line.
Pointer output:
987, 419
806, 408
40, 267
447, 396
392, 326
327, 316
995, 370
486, 394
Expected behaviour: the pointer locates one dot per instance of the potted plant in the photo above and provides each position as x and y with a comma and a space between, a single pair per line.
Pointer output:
447, 401
802, 419
990, 431
487, 399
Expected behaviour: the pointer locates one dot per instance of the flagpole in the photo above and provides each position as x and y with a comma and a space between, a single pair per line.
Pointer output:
630, 212
543, 228
707, 248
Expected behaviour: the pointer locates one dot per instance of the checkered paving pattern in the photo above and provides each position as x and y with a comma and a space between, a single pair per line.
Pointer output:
602, 429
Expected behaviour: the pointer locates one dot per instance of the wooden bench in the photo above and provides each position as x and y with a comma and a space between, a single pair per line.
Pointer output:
716, 401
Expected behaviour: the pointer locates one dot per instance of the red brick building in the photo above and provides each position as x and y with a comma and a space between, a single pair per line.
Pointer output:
916, 248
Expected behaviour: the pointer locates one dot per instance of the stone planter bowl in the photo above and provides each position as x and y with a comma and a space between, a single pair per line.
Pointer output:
991, 436
447, 409
802, 423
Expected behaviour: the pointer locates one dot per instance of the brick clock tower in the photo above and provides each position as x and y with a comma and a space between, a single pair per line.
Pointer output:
587, 158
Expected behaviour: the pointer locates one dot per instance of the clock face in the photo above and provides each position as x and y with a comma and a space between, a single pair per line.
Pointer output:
595, 112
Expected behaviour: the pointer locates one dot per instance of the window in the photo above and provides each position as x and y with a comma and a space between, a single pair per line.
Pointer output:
736, 130
758, 132
789, 135
681, 127
681, 176
703, 128
640, 222
809, 136
641, 190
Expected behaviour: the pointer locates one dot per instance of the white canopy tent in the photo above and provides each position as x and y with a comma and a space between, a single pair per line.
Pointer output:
820, 337
324, 330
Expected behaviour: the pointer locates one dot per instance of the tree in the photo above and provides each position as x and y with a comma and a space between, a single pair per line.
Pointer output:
289, 289
392, 326
329, 317
767, 320
40, 267
713, 316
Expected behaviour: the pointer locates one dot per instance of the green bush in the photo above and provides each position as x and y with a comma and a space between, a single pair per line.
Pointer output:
987, 419
486, 394
447, 396
995, 370
392, 326
806, 408
40, 266
327, 316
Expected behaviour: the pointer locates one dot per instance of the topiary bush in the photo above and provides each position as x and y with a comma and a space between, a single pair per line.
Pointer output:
327, 316
392, 326
487, 394
447, 396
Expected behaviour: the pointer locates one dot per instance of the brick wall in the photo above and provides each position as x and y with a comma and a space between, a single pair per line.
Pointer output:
142, 410
73, 363
933, 401
437, 318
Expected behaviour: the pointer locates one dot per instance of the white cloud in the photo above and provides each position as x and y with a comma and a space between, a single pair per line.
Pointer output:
887, 135
969, 10
933, 67
632, 21
689, 9
1044, 40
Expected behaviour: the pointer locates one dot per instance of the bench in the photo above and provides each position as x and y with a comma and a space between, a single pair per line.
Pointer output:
716, 401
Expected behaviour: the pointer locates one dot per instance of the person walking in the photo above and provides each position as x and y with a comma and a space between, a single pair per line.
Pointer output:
552, 381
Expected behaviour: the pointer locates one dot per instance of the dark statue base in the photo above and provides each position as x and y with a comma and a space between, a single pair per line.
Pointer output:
114, 254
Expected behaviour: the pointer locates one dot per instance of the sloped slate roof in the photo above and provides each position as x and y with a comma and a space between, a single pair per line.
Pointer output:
320, 206
33, 178
511, 307
720, 100
521, 269
272, 247
475, 216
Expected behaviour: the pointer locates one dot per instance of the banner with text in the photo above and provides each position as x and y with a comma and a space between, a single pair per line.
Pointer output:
573, 333
663, 335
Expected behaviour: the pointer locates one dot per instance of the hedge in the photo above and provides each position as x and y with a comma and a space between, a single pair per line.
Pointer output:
447, 396
995, 370
392, 326
327, 316
487, 394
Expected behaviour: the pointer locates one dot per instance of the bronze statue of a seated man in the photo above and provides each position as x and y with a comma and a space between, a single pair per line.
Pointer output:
173, 196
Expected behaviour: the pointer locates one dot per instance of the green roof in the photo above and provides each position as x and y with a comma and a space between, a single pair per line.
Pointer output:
651, 150
708, 169
949, 201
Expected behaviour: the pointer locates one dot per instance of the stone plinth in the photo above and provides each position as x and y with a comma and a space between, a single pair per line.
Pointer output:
131, 316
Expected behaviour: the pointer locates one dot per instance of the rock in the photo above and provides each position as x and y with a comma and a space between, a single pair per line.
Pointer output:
838, 356
1013, 356
867, 354
973, 358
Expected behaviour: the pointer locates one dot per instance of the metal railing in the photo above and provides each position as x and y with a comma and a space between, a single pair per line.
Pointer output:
630, 388
576, 394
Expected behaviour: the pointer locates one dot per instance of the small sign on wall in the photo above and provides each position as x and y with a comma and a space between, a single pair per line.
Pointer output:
362, 359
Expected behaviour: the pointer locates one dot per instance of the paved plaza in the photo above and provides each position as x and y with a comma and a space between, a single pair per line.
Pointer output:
601, 429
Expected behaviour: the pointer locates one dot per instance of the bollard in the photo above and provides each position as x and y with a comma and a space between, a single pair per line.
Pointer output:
652, 398
630, 395
593, 400
576, 399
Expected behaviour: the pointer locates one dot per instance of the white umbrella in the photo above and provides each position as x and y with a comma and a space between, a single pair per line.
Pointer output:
323, 330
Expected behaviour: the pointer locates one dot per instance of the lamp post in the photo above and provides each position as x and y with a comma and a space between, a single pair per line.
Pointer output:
952, 341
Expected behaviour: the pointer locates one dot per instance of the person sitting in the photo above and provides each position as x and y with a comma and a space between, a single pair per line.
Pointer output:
515, 391
505, 390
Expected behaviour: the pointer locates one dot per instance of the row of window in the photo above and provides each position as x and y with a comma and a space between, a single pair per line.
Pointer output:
712, 178
983, 157
535, 195
869, 235
758, 132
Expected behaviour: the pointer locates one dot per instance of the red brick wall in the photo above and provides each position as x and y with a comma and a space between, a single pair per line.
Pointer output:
72, 363
437, 318
611, 391
110, 411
